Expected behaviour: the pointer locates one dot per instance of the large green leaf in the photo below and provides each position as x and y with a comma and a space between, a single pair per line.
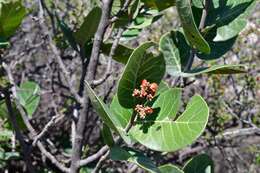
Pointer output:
169, 168
199, 164
169, 102
130, 155
167, 134
219, 48
175, 50
141, 65
28, 95
190, 29
11, 16
122, 52
105, 114
229, 17
123, 114
89, 27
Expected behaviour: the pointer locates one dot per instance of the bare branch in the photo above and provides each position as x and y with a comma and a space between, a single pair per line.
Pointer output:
56, 52
111, 54
28, 124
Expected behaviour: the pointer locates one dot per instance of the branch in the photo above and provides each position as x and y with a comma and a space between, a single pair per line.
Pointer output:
80, 127
121, 11
53, 121
26, 150
56, 52
28, 125
95, 156
111, 54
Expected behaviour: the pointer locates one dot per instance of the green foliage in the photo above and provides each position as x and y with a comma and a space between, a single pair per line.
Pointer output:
225, 22
141, 65
169, 168
122, 52
11, 16
190, 29
28, 95
4, 116
201, 163
107, 135
68, 33
176, 52
168, 133
159, 4
105, 114
130, 155
89, 27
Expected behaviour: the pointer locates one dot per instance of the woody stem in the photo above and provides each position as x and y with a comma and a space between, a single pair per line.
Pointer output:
131, 122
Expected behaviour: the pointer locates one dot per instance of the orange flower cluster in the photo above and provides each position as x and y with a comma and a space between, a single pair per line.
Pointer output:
143, 110
147, 92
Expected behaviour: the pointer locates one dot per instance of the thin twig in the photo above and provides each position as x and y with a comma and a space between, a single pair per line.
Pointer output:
28, 124
111, 54
56, 52
53, 121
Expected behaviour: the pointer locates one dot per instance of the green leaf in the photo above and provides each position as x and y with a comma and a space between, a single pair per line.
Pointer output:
122, 53
219, 48
201, 163
141, 65
5, 135
105, 114
89, 27
123, 115
159, 4
165, 134
217, 69
68, 33
3, 42
176, 51
190, 29
229, 17
169, 102
130, 155
11, 16
130, 34
107, 135
4, 116
169, 168
163, 86
28, 95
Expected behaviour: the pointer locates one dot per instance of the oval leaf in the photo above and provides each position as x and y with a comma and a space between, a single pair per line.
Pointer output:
139, 66
170, 135
130, 155
105, 114
28, 94
175, 50
201, 163
169, 168
11, 16
190, 29
89, 27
